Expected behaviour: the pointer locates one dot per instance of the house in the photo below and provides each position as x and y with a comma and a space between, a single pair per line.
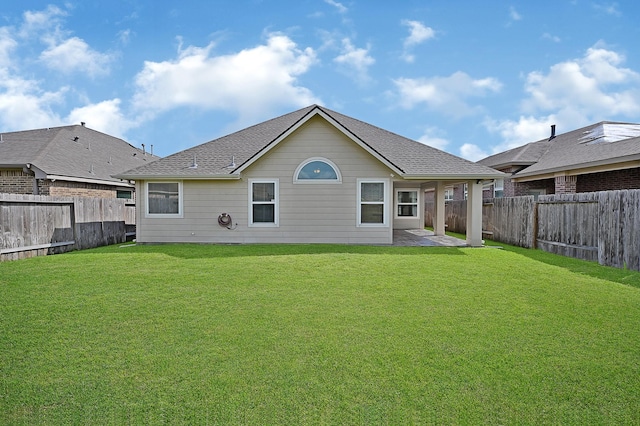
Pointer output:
600, 157
67, 161
310, 176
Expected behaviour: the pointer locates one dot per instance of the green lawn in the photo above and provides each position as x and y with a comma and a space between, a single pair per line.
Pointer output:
317, 334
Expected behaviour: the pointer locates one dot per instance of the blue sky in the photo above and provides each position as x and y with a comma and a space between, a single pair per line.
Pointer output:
471, 78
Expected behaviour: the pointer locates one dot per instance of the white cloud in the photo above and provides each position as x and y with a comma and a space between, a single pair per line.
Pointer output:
7, 46
124, 36
445, 94
608, 8
63, 53
418, 33
355, 60
572, 94
472, 152
105, 116
24, 105
29, 103
592, 86
74, 55
514, 15
250, 83
432, 137
551, 37
515, 133
341, 8
42, 20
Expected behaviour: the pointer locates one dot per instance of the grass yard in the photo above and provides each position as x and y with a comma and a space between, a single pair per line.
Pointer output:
317, 334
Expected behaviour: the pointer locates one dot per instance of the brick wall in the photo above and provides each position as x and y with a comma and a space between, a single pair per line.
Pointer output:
458, 192
525, 188
605, 181
566, 184
76, 189
15, 181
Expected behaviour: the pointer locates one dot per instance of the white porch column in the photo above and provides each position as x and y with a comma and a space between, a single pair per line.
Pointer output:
474, 213
438, 220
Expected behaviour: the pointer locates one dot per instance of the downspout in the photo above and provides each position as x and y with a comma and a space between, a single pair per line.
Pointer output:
27, 169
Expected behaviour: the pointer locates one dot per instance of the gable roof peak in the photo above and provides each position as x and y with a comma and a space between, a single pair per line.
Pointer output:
405, 156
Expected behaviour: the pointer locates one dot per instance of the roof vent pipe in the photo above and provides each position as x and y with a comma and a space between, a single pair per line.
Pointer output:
553, 132
143, 151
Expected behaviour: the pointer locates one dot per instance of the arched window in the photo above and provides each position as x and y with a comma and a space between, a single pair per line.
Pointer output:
317, 170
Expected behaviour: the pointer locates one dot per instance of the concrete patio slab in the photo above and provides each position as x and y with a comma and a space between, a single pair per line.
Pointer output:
424, 238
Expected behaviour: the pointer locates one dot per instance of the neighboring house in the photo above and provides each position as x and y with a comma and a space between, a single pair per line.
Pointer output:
67, 161
310, 176
600, 157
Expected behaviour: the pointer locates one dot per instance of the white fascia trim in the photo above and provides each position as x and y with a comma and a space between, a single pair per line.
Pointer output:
457, 177
360, 143
178, 177
335, 124
618, 163
85, 180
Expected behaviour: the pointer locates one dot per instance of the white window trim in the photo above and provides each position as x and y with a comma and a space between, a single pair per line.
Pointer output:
449, 194
498, 185
386, 204
317, 181
164, 215
397, 203
276, 212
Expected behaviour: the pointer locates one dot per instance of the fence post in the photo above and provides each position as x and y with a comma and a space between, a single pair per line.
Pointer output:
534, 237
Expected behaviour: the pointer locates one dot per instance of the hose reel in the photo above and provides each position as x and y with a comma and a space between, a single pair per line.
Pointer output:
225, 221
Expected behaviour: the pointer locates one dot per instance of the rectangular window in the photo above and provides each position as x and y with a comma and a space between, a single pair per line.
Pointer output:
372, 203
407, 202
498, 188
448, 194
125, 194
164, 199
263, 203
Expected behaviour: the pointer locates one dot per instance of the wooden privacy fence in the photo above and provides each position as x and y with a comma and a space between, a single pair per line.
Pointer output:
33, 225
599, 226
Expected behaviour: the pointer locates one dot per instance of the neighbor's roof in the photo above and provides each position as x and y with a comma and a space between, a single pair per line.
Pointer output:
71, 152
599, 144
524, 155
227, 156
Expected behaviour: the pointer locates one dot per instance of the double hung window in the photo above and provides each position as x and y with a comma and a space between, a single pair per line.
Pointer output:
263, 202
407, 202
372, 203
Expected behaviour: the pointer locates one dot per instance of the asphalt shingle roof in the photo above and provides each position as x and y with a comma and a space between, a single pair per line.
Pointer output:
213, 158
72, 151
597, 144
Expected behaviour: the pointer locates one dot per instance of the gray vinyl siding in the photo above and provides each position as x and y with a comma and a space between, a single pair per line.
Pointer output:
308, 213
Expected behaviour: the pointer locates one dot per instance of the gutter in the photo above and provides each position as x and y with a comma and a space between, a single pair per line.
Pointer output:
86, 180
482, 176
177, 177
626, 162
